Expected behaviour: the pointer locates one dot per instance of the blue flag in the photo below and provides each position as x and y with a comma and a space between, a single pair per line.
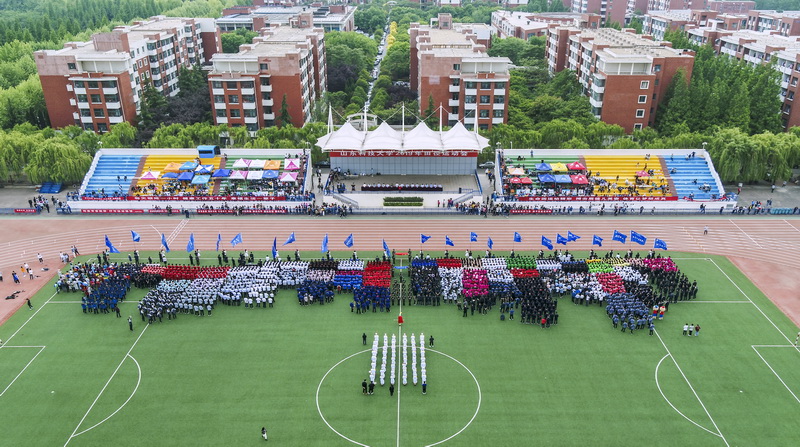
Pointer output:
386, 249
324, 248
219, 239
638, 238
135, 236
561, 240
660, 244
572, 236
473, 237
423, 238
236, 240
111, 246
274, 247
547, 243
489, 243
449, 242
517, 237
290, 239
349, 241
190, 245
597, 240
619, 237
164, 242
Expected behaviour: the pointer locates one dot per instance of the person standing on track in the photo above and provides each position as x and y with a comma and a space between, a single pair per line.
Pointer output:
705, 230
28, 302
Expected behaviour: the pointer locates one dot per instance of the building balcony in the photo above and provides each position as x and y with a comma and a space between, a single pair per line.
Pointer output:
76, 116
471, 91
248, 105
598, 89
115, 119
251, 119
72, 102
498, 106
248, 91
266, 88
787, 70
498, 120
785, 85
110, 91
452, 116
470, 106
69, 87
86, 119
221, 120
83, 105
217, 91
113, 105
452, 103
269, 116
80, 91
595, 103
219, 105
454, 88
267, 102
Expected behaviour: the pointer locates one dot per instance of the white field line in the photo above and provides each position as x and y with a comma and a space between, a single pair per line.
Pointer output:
658, 385
776, 375
399, 339
138, 382
693, 390
41, 348
745, 233
106, 386
28, 320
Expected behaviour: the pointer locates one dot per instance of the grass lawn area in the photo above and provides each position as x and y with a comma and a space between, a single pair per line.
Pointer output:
69, 378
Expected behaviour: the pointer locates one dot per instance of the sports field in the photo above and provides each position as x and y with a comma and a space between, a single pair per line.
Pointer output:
68, 378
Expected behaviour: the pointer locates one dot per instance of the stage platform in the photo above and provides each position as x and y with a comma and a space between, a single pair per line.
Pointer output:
450, 184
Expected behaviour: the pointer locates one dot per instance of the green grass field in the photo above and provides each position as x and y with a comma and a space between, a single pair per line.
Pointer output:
86, 380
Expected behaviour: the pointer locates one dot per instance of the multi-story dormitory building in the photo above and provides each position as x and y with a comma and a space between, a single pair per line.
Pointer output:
756, 47
99, 83
449, 64
624, 74
248, 88
524, 25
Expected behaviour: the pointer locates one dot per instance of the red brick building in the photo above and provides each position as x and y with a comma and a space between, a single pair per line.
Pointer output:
248, 88
449, 64
524, 25
99, 83
625, 75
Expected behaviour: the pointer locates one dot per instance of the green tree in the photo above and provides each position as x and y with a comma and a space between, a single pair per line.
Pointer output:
396, 62
284, 117
57, 161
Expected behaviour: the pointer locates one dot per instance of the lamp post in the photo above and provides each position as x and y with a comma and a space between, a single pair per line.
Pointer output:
704, 145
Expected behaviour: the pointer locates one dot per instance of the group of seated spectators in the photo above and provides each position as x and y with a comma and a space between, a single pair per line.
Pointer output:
400, 187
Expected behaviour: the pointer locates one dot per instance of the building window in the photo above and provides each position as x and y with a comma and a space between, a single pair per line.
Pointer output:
112, 98
82, 98
644, 85
637, 126
99, 113
79, 84
263, 67
102, 127
456, 67
457, 81
485, 99
219, 98
639, 113
249, 98
230, 85
109, 84
266, 96
500, 85
469, 84
221, 113
656, 68
236, 113
247, 84
96, 99
642, 99
114, 112
86, 112
454, 96
265, 81
233, 99
484, 114
71, 66
497, 113
499, 99
469, 99
250, 113
268, 110
454, 111
92, 84
216, 84
486, 85
88, 126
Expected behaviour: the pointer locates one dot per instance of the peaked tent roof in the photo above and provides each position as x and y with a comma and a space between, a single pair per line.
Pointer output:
421, 138
384, 137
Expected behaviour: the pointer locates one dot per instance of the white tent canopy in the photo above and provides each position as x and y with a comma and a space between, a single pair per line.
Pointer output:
385, 138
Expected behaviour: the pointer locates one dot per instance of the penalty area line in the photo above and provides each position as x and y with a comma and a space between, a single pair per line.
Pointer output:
776, 374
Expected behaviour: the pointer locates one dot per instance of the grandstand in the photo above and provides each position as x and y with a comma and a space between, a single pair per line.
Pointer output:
691, 176
672, 177
110, 173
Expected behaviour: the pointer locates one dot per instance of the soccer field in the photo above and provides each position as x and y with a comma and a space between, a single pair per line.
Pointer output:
68, 378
